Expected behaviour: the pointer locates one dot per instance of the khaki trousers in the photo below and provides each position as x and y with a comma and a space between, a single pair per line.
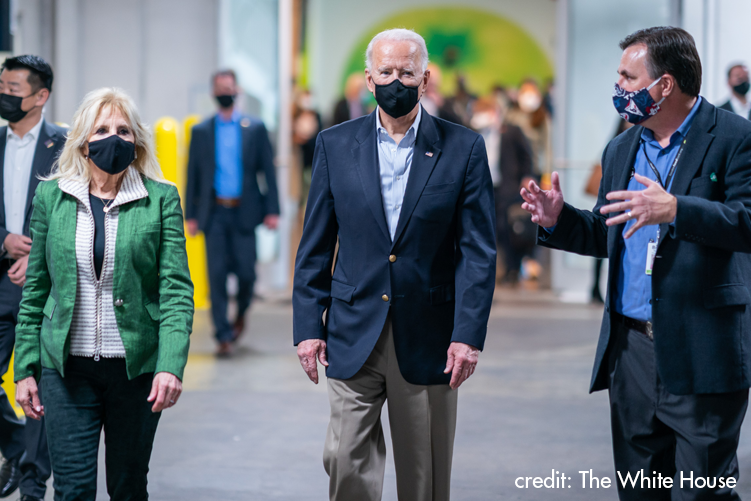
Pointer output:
423, 423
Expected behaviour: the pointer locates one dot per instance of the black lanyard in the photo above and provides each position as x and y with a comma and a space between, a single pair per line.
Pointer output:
671, 173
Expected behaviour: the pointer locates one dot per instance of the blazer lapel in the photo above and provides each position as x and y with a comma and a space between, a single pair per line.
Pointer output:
424, 158
3, 139
211, 154
365, 157
42, 163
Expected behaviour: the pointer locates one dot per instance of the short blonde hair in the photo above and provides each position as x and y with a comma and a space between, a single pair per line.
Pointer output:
73, 164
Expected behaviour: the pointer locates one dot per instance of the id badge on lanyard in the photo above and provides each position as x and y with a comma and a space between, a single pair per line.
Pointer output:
652, 245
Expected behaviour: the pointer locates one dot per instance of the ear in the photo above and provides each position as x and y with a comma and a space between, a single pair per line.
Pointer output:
369, 81
425, 80
669, 85
43, 96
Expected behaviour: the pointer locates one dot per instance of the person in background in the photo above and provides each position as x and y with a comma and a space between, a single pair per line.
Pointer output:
510, 161
306, 125
354, 102
532, 117
231, 189
738, 82
29, 146
433, 101
107, 308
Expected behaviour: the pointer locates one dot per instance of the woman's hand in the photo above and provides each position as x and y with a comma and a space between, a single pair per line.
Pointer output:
27, 396
165, 390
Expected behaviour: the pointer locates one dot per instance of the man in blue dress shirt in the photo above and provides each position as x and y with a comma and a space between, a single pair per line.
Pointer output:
231, 189
674, 217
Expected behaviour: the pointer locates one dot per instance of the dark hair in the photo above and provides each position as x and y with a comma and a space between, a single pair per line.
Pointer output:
40, 72
223, 73
670, 50
734, 66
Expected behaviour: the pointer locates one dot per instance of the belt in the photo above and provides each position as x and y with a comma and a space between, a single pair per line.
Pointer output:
637, 325
229, 203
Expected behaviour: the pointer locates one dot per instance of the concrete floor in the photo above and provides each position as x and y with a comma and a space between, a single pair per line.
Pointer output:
252, 427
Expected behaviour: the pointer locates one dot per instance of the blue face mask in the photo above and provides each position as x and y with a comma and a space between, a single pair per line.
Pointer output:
637, 106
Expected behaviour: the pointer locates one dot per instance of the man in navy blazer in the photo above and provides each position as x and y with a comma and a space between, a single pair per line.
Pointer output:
409, 200
231, 189
674, 217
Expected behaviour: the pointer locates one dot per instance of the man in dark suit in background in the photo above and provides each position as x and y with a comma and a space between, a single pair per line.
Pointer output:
739, 87
674, 218
231, 189
409, 199
29, 146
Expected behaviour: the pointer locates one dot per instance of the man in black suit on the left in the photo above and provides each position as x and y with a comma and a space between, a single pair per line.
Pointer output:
29, 146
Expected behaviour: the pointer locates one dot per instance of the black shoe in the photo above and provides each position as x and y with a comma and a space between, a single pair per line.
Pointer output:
26, 497
10, 475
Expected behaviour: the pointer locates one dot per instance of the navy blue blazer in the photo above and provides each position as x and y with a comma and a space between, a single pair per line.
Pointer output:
258, 162
700, 298
49, 146
436, 278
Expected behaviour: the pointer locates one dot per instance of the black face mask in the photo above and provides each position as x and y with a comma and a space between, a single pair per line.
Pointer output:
742, 88
113, 154
10, 108
226, 100
397, 99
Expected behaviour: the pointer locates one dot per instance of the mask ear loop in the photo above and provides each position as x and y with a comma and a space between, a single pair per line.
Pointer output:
652, 85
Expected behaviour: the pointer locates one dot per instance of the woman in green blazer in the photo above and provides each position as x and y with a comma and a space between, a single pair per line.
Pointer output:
107, 307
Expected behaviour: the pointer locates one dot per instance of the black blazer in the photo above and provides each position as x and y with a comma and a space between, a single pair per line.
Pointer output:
436, 278
701, 305
729, 107
258, 160
49, 145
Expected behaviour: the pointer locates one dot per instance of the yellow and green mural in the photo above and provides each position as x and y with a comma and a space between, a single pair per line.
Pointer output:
482, 46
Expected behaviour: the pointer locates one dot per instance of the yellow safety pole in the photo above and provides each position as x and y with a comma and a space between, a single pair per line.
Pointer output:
10, 388
196, 245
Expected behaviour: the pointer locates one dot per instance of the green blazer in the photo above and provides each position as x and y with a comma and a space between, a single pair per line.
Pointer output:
155, 316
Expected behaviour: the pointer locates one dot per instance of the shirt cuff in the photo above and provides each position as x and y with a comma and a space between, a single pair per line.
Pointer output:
550, 230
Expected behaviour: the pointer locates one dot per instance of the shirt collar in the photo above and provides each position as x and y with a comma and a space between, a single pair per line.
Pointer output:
738, 105
33, 133
647, 135
131, 189
233, 120
411, 133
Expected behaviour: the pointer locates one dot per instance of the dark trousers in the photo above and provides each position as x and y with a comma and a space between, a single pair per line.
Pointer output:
674, 435
18, 441
229, 250
95, 395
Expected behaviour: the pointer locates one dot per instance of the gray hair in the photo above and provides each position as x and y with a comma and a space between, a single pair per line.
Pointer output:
398, 35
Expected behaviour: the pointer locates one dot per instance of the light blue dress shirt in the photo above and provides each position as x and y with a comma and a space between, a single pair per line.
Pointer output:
634, 285
395, 161
228, 177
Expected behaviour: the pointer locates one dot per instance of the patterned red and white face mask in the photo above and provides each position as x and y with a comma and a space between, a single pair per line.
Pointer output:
635, 107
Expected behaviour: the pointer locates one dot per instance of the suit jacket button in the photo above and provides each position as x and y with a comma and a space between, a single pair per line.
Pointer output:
392, 258
118, 302
385, 297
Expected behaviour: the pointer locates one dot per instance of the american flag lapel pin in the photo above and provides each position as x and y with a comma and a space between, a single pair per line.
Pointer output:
429, 154
48, 143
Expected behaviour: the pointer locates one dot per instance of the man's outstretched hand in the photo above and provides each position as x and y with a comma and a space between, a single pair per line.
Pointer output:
544, 205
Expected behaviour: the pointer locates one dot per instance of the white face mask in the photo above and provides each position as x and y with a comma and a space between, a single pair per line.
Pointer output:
483, 120
530, 102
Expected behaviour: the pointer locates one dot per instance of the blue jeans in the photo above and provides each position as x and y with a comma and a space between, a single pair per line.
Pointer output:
95, 395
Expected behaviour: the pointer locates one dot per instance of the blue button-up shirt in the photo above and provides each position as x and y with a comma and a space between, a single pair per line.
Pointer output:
228, 177
394, 161
634, 285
